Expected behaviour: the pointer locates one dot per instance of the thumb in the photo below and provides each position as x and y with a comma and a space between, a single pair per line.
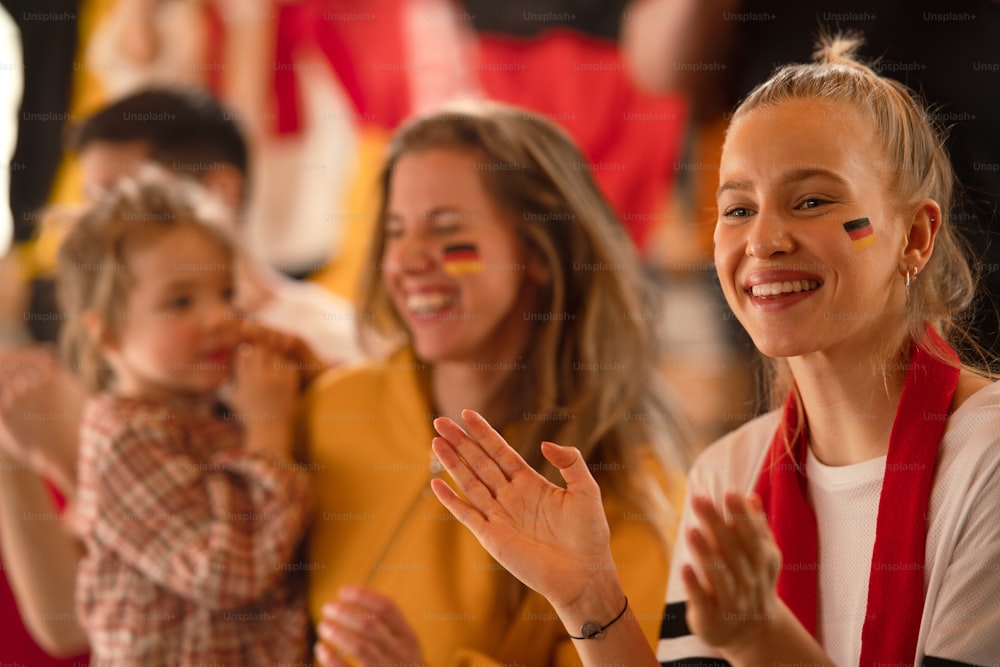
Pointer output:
570, 463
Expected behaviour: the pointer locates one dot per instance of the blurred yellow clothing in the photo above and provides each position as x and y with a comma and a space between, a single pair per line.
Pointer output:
357, 219
368, 433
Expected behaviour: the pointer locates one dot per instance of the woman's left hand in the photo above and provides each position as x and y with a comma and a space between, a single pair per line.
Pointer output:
368, 627
731, 582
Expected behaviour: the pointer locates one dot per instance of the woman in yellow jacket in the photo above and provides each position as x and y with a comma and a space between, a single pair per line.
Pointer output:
504, 283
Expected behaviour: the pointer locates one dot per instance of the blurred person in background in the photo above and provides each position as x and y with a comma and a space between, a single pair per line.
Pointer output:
189, 133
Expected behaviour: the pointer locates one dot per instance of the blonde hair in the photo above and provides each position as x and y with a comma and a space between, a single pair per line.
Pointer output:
93, 271
615, 410
913, 145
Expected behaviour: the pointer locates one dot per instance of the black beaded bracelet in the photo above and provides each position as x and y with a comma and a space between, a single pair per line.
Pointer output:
593, 630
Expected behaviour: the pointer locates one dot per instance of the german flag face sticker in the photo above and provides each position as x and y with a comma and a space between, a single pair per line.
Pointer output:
462, 259
861, 233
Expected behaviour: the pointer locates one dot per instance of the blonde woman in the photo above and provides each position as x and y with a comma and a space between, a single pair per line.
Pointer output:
508, 285
856, 524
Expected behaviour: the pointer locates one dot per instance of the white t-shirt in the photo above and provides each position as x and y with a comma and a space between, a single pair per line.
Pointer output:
961, 616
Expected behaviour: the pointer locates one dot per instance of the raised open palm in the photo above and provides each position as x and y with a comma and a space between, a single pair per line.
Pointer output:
553, 539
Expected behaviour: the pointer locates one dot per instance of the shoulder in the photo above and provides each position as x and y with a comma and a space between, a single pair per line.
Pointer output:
367, 392
734, 460
366, 377
112, 415
118, 432
972, 435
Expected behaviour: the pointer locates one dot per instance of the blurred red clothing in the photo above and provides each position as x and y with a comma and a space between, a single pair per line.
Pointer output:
631, 138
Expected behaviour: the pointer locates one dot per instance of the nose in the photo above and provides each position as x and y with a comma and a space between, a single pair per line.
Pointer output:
768, 236
412, 253
221, 313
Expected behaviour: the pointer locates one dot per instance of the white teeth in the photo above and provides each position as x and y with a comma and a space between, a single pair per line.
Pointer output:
423, 304
773, 289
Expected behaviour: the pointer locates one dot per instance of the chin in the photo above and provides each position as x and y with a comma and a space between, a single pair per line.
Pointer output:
431, 353
779, 345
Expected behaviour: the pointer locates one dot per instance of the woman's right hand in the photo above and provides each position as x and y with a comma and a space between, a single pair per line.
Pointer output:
555, 540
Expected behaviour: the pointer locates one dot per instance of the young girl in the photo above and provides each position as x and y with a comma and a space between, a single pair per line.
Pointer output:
507, 284
856, 525
190, 515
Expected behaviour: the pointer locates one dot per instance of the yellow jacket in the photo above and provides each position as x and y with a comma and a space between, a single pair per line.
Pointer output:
368, 434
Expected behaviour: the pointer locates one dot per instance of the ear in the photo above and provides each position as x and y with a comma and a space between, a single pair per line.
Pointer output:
923, 229
97, 332
227, 183
538, 269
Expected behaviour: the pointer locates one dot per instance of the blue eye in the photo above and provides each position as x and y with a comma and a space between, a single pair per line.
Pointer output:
737, 212
812, 202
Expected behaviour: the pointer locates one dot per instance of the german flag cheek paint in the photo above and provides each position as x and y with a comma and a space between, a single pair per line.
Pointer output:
861, 232
462, 259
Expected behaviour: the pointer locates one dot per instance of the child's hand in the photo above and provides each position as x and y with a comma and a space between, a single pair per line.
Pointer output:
265, 391
266, 382
309, 364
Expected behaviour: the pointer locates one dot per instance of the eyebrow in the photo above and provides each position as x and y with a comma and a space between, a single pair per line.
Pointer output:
432, 215
445, 212
183, 285
792, 176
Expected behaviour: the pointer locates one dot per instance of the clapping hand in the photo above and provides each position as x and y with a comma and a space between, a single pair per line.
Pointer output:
40, 409
367, 626
538, 531
731, 581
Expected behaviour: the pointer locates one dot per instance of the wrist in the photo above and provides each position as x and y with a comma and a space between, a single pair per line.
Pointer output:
271, 438
598, 603
779, 636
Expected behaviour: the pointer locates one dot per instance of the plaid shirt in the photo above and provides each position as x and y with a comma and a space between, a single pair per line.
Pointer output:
190, 540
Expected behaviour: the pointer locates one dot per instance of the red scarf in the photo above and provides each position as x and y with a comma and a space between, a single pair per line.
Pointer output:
896, 581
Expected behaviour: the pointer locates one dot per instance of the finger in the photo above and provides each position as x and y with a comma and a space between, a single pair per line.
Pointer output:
384, 608
358, 619
470, 516
244, 353
771, 553
342, 641
478, 460
509, 461
741, 523
280, 341
249, 331
711, 567
326, 657
448, 429
466, 515
724, 543
698, 596
571, 465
